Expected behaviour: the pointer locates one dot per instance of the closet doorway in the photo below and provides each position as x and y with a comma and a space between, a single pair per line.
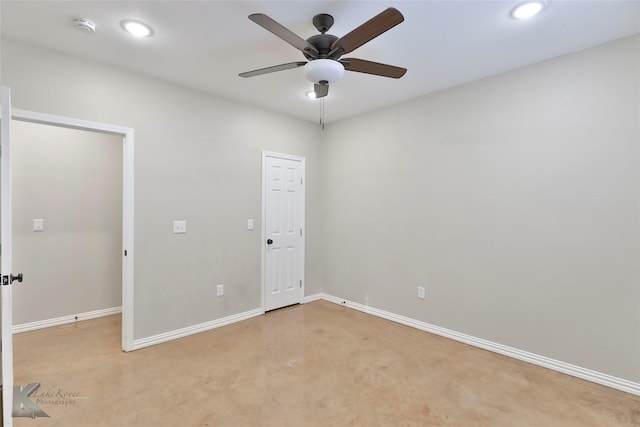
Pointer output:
72, 221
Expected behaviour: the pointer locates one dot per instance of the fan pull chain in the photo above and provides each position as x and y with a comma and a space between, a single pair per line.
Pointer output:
322, 114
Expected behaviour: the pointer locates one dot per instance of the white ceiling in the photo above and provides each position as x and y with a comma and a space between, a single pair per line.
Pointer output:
205, 44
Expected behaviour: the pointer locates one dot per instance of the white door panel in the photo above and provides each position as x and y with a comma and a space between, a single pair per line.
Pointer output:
5, 237
283, 178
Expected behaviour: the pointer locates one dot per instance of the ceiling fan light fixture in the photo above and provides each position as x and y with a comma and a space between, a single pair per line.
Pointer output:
323, 70
528, 9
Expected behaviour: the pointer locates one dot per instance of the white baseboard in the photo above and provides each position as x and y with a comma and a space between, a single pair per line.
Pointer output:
312, 298
184, 332
65, 320
191, 330
556, 365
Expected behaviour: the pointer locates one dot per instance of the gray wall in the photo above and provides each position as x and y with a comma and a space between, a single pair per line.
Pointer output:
514, 201
197, 158
73, 180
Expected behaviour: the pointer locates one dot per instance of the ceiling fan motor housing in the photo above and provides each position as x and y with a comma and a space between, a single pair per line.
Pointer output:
322, 42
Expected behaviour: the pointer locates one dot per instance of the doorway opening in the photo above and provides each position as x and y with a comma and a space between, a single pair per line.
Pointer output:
67, 224
125, 223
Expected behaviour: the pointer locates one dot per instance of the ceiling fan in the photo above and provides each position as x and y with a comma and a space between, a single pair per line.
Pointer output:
324, 51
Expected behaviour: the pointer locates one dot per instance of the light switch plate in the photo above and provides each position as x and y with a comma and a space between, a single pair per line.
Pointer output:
179, 227
249, 224
38, 225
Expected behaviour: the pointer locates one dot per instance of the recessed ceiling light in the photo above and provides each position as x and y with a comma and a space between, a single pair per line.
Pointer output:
528, 9
311, 94
136, 28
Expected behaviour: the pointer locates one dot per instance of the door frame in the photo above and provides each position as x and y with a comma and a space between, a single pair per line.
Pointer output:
6, 267
127, 201
263, 232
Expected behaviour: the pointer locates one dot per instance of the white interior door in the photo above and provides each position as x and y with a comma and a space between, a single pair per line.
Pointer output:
283, 229
5, 237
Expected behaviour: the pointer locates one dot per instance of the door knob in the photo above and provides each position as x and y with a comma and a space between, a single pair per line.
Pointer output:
269, 241
17, 278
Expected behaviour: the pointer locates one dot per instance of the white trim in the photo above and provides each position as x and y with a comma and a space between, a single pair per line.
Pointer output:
546, 362
5, 265
64, 320
263, 231
127, 201
263, 239
312, 298
195, 329
67, 122
127, 240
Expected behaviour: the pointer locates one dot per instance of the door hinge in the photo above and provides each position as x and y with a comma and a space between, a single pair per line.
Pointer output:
300, 180
125, 252
301, 232
300, 282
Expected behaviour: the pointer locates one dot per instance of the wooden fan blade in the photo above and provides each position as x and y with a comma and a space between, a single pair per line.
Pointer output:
273, 69
368, 31
284, 33
321, 90
370, 67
